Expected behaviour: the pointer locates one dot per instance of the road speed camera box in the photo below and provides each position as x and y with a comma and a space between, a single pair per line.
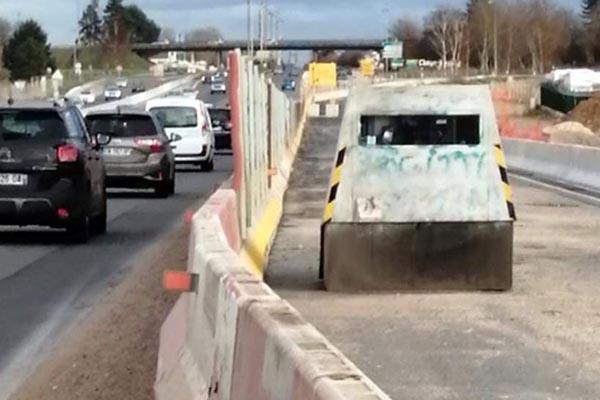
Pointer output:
419, 196
323, 74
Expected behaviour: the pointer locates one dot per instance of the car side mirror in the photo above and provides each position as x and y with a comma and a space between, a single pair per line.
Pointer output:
102, 140
175, 138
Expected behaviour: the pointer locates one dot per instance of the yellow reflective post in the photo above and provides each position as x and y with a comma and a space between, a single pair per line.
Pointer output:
323, 74
366, 67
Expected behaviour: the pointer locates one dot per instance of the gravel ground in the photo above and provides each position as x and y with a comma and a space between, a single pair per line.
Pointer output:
112, 353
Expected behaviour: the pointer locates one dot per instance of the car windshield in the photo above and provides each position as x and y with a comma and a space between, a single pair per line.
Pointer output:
112, 88
31, 124
121, 125
176, 117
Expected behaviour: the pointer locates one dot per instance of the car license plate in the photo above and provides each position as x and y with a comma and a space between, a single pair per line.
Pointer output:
13, 180
117, 151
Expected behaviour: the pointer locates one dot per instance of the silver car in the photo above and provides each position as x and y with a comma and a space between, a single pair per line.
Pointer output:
139, 154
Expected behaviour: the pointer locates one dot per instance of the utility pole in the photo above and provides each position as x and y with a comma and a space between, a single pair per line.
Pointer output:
261, 26
249, 22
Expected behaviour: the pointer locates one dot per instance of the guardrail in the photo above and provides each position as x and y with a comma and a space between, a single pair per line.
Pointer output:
570, 165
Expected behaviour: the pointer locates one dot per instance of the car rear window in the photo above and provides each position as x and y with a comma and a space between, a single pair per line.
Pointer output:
121, 125
32, 124
176, 117
219, 115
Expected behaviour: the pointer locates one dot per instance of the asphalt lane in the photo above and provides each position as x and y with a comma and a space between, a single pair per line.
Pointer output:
46, 283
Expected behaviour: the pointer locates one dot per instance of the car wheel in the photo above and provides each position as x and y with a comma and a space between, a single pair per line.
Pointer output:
208, 166
163, 189
172, 186
80, 230
100, 221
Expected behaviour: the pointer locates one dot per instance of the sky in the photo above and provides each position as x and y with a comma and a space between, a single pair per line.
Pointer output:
310, 19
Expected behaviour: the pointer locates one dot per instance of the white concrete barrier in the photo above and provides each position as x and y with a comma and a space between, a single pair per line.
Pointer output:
566, 164
141, 98
235, 339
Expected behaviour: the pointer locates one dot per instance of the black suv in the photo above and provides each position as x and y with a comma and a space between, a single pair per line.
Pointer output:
51, 171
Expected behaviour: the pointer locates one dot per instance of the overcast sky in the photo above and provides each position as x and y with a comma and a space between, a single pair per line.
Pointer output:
336, 19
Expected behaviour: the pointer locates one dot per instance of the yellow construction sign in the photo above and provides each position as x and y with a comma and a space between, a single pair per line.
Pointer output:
323, 74
366, 67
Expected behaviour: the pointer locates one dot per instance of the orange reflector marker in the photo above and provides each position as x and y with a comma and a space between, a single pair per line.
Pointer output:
188, 216
180, 281
272, 172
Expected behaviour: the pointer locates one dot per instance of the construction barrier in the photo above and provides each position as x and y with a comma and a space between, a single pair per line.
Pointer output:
571, 165
233, 338
266, 135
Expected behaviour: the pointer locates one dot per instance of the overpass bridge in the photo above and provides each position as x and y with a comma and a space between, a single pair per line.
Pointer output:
148, 49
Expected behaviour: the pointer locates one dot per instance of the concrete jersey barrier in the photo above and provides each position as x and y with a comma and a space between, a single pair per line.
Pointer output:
142, 97
561, 163
236, 339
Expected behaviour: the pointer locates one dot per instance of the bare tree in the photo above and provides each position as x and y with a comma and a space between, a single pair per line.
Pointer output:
456, 37
549, 33
445, 27
480, 20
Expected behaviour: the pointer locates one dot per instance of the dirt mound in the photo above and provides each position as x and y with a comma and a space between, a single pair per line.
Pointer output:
588, 113
572, 132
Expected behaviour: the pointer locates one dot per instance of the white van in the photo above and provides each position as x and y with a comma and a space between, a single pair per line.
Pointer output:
189, 119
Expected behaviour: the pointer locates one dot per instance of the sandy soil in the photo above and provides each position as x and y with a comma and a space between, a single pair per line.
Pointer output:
112, 353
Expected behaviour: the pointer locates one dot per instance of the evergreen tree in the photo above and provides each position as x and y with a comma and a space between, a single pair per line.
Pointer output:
587, 9
27, 53
90, 24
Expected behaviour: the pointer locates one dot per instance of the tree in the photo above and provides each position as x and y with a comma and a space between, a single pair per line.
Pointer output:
410, 33
141, 28
480, 33
587, 9
203, 35
27, 53
350, 59
208, 34
445, 30
116, 33
5, 28
90, 25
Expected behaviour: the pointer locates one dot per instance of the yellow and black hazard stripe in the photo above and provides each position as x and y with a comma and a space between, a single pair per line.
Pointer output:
507, 191
334, 185
333, 191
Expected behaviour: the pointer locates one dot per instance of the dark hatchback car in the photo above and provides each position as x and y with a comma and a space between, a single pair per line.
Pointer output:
51, 171
139, 154
221, 122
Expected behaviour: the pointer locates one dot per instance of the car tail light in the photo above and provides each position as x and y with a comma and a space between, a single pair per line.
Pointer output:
228, 125
67, 153
204, 129
154, 144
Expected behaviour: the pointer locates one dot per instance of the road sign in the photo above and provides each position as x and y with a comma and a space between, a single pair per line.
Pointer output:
393, 49
323, 74
366, 67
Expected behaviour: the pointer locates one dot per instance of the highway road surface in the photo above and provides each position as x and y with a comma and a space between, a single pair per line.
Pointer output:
46, 284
